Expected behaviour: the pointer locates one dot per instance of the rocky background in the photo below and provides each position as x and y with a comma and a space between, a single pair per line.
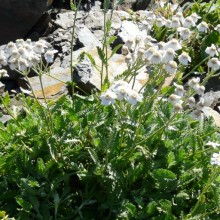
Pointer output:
52, 20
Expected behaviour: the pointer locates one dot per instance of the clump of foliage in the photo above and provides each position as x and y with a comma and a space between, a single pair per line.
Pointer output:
127, 152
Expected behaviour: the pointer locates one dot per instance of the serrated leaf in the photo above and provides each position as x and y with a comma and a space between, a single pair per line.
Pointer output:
6, 99
115, 50
111, 39
151, 208
101, 55
131, 209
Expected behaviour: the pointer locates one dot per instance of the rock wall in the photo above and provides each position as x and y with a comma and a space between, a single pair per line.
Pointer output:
17, 17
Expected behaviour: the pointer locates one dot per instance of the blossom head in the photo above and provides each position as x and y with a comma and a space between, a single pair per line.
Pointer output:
133, 97
214, 63
174, 44
108, 98
215, 159
184, 32
212, 51
203, 27
184, 58
171, 67
49, 55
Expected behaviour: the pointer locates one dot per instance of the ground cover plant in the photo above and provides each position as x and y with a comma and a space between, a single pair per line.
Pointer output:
129, 151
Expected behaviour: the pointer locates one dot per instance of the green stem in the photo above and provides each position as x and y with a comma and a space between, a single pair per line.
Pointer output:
195, 68
71, 50
208, 185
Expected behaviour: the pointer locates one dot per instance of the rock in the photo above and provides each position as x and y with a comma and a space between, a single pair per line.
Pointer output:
65, 20
5, 118
2, 88
18, 17
53, 85
86, 38
140, 4
128, 30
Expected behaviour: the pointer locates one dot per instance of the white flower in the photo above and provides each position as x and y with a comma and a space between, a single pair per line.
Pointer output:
212, 51
19, 42
191, 102
39, 47
108, 98
13, 63
178, 107
33, 60
140, 53
160, 22
171, 67
10, 47
23, 53
217, 28
175, 23
179, 15
195, 17
124, 50
199, 89
167, 23
150, 20
128, 59
149, 39
3, 59
213, 144
203, 27
145, 26
201, 104
129, 43
149, 52
179, 90
174, 99
198, 115
156, 57
184, 58
184, 32
49, 55
3, 74
189, 22
193, 82
214, 63
160, 45
22, 64
122, 91
174, 44
168, 55
215, 159
133, 97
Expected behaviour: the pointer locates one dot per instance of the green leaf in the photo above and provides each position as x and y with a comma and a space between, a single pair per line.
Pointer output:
101, 55
115, 50
41, 166
6, 99
131, 209
108, 25
151, 208
164, 175
111, 39
56, 200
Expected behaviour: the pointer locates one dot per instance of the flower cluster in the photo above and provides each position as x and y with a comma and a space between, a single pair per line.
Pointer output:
121, 90
22, 55
177, 98
215, 159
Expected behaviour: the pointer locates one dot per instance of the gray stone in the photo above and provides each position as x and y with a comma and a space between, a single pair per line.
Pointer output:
18, 17
2, 88
5, 118
86, 38
128, 30
65, 20
53, 85
140, 4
